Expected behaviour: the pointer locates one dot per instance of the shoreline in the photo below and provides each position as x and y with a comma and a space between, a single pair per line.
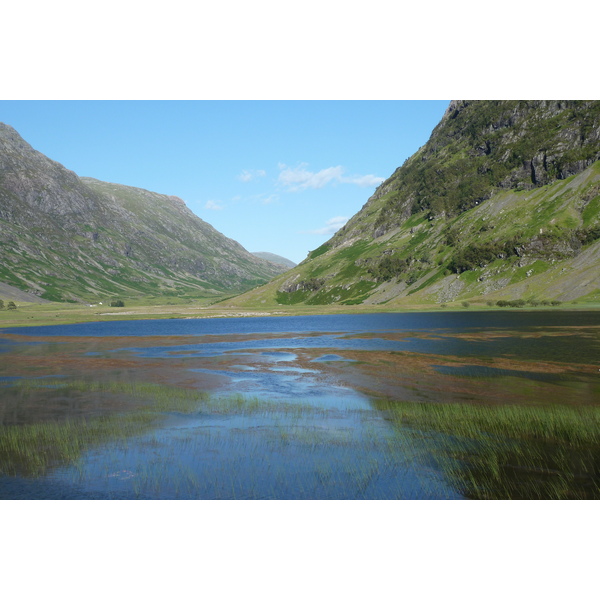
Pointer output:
36, 315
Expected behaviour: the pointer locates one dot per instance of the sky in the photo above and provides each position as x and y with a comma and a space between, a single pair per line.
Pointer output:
276, 176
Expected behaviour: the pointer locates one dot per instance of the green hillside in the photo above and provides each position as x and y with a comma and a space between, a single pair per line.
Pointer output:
502, 203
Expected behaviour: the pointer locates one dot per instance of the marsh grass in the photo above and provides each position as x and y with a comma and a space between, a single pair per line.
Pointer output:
518, 452
32, 448
244, 447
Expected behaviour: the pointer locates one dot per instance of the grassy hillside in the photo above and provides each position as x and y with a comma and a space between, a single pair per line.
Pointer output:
470, 218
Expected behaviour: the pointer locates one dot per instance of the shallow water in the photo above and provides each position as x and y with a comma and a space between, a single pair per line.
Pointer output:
319, 432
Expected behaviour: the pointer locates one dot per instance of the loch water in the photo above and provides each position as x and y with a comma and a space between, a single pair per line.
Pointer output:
285, 408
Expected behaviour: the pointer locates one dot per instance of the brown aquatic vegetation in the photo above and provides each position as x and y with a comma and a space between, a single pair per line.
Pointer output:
399, 375
410, 376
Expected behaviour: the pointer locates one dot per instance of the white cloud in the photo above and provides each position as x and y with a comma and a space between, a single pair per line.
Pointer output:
299, 178
212, 205
250, 174
364, 180
332, 225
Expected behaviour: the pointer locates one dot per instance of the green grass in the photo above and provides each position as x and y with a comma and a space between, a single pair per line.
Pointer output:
484, 452
521, 273
513, 452
435, 277
320, 250
32, 448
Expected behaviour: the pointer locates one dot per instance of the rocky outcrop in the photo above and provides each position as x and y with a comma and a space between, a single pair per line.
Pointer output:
482, 147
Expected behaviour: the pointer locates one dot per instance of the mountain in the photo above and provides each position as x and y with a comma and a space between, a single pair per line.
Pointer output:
502, 202
64, 237
275, 258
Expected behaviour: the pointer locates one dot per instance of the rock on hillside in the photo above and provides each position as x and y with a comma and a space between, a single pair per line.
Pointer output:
69, 238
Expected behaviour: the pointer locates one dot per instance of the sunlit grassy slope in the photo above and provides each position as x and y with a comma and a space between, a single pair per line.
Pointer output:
537, 244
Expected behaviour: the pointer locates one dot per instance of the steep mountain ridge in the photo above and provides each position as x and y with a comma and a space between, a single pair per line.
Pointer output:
481, 148
63, 237
501, 196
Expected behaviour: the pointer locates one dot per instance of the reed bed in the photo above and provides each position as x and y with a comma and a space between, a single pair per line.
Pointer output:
170, 442
511, 452
32, 449
556, 423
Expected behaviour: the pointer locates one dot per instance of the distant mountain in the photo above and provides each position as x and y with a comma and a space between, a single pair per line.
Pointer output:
275, 258
63, 237
502, 202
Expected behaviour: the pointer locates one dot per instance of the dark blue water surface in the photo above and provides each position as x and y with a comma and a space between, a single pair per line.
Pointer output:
513, 333
456, 321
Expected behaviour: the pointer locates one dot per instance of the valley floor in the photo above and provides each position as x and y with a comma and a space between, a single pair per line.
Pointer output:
29, 314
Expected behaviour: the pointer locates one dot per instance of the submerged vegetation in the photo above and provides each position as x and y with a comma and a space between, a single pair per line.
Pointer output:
292, 450
513, 452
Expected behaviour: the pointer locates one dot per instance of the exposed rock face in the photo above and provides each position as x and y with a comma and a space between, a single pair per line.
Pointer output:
480, 148
80, 238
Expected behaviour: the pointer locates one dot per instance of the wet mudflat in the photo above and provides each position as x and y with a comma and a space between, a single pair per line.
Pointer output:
386, 406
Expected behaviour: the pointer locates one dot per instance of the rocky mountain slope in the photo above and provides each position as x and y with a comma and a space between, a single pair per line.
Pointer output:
502, 202
275, 258
63, 237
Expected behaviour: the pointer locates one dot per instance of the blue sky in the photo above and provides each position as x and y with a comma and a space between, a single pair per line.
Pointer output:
277, 176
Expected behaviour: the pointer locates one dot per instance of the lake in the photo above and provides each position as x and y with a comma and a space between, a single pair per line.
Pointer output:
447, 405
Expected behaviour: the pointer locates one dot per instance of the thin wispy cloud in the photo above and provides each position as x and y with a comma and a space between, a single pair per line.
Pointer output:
300, 178
363, 180
249, 174
212, 205
269, 199
332, 225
